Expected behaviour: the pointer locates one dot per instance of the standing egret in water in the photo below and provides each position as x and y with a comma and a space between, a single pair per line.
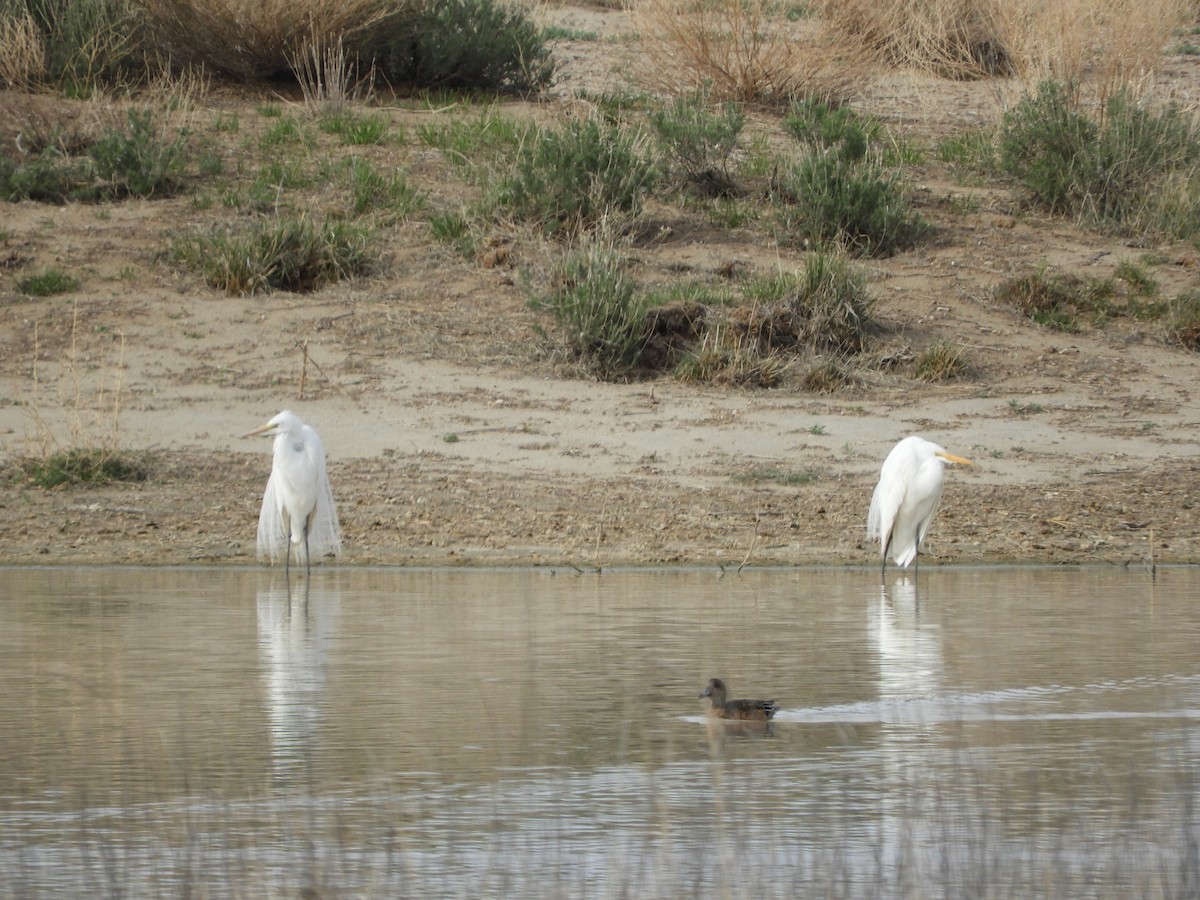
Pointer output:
297, 507
906, 498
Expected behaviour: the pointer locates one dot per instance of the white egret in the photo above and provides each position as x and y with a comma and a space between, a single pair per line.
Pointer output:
906, 498
297, 506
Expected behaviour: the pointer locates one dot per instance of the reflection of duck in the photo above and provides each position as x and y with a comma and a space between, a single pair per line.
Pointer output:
719, 707
293, 634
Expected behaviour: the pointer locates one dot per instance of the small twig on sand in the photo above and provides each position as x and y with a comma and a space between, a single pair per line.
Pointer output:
753, 541
303, 368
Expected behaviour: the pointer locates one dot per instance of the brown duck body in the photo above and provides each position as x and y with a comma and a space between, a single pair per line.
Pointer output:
755, 710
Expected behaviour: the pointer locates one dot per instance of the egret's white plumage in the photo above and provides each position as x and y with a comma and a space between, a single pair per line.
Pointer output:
297, 507
906, 498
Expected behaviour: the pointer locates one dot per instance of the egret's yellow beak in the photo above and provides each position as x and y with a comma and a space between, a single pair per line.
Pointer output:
950, 457
260, 430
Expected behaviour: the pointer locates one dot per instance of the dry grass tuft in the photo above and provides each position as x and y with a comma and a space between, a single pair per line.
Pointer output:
258, 38
951, 38
325, 74
743, 50
33, 123
1114, 43
22, 54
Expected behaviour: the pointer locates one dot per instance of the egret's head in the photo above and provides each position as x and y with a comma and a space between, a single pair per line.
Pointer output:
283, 423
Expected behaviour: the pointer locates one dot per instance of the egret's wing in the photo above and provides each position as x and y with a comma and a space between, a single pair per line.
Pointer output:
325, 533
272, 532
927, 493
325, 538
885, 503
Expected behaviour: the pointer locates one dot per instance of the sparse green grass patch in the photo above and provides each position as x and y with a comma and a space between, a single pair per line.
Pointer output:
943, 360
48, 283
1025, 409
828, 377
84, 465
767, 474
454, 229
974, 149
560, 33
286, 131
472, 142
1182, 320
826, 308
374, 191
355, 129
290, 254
1137, 276
1065, 302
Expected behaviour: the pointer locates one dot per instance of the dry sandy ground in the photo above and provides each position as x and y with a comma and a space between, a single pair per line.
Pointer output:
455, 438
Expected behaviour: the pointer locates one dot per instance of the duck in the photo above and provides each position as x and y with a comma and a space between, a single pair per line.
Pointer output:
760, 710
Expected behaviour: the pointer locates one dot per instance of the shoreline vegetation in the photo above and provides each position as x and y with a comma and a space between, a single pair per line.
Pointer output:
736, 215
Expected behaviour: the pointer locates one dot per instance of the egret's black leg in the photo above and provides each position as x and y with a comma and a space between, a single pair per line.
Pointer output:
307, 558
287, 547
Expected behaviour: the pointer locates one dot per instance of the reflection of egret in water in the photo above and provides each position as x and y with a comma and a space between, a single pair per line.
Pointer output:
294, 630
909, 651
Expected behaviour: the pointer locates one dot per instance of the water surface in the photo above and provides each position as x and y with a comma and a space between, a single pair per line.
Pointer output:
974, 732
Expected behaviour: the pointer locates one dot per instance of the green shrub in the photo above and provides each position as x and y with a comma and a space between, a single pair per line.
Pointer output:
462, 44
137, 161
699, 142
831, 304
823, 127
46, 178
86, 43
569, 180
829, 199
1133, 169
597, 307
133, 161
292, 254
